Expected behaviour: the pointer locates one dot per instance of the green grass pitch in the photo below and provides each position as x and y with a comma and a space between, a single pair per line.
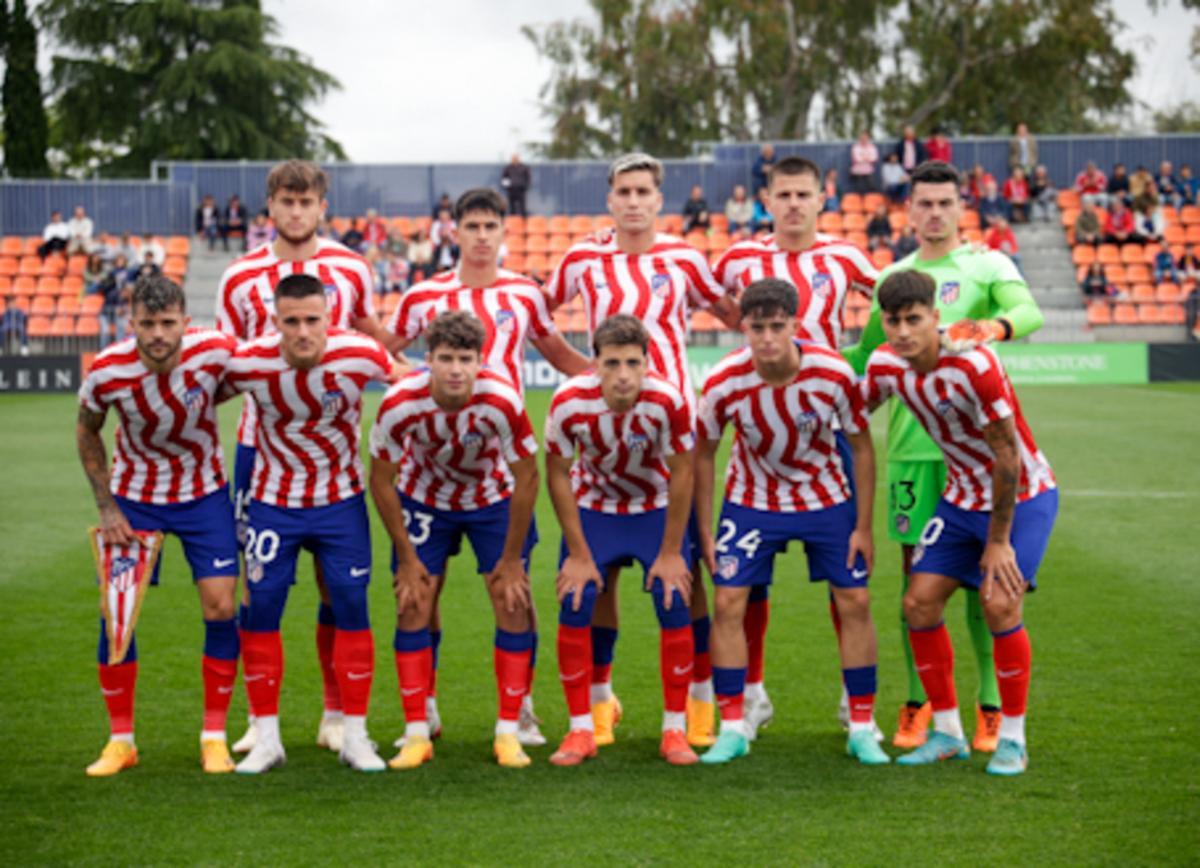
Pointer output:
1113, 712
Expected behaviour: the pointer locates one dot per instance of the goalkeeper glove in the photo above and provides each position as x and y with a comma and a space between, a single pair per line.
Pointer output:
966, 334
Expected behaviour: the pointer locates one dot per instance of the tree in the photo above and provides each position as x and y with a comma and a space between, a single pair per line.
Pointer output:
145, 80
25, 128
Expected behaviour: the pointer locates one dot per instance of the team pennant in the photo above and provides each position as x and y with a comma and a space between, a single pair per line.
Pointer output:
124, 572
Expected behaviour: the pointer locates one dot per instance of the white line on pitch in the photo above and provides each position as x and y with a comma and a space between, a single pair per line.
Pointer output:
1096, 492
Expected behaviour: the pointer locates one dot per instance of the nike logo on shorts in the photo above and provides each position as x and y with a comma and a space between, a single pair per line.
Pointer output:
858, 574
358, 572
221, 563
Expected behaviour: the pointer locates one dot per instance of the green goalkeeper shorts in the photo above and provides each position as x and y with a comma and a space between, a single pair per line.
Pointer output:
914, 489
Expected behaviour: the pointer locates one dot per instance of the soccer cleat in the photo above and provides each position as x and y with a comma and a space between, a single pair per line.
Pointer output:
528, 725
331, 733
432, 718
1009, 759
700, 716
987, 729
249, 738
116, 757
862, 746
579, 745
674, 748
262, 758
214, 756
358, 752
509, 752
416, 751
843, 712
938, 746
759, 715
729, 746
913, 727
605, 717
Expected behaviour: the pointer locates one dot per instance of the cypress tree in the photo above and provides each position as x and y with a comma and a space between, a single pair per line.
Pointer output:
25, 127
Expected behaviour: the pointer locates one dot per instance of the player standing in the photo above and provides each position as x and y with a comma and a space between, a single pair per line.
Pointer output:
985, 297
168, 475
992, 523
658, 279
452, 455
785, 482
628, 497
824, 269
306, 491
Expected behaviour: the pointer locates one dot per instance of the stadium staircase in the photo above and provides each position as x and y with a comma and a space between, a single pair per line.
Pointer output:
204, 274
1046, 261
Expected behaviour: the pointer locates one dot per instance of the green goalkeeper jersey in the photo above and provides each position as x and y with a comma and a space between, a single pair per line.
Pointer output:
971, 284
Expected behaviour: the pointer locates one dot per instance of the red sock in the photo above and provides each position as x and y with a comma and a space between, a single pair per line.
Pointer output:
575, 667
262, 665
326, 636
732, 707
512, 671
676, 662
117, 684
758, 614
412, 669
862, 708
219, 676
1013, 658
432, 689
601, 673
934, 658
354, 664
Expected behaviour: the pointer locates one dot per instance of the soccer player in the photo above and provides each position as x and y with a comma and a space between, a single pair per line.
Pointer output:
658, 279
984, 296
627, 497
306, 380
992, 523
244, 308
452, 455
167, 475
785, 482
513, 311
824, 269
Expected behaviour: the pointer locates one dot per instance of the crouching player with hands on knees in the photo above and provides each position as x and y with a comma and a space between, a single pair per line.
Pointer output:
784, 483
627, 497
992, 526
452, 454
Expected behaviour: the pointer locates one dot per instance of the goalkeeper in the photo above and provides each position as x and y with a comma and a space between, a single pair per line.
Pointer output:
984, 298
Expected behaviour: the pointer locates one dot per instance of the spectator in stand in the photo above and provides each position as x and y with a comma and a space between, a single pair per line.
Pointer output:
1147, 199
420, 255
979, 179
1095, 283
515, 179
1164, 267
260, 231
879, 229
235, 220
148, 268
762, 221
863, 157
152, 247
1189, 186
396, 244
1139, 181
1168, 184
762, 167
964, 191
443, 204
396, 273
992, 206
1087, 226
208, 222
94, 273
444, 237
895, 180
833, 191
909, 151
55, 236
1016, 194
354, 237
1189, 264
13, 322
906, 243
999, 236
1022, 151
1091, 185
739, 211
1118, 183
1119, 226
124, 248
938, 147
1149, 222
82, 230
695, 211
375, 232
114, 313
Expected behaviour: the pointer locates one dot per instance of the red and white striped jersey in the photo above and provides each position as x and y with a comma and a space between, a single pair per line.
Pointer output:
784, 458
308, 421
823, 275
167, 446
658, 287
453, 460
621, 466
512, 309
246, 296
963, 394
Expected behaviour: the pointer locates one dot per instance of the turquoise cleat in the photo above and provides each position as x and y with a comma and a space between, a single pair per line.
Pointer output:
863, 747
729, 746
1009, 759
938, 746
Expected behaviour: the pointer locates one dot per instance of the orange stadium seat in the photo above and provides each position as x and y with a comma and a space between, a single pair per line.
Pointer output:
536, 225
11, 245
537, 244
1149, 252
49, 286
1137, 273
1125, 314
175, 265
42, 304
703, 321
62, 327
67, 304
898, 220
1108, 253
24, 285
515, 262
604, 221
1068, 218
178, 245
87, 327
1191, 235
53, 266
719, 242
871, 201
698, 240
859, 238
29, 265
1099, 313
719, 223
514, 225
1170, 215
673, 224
6, 286
76, 264
8, 266
559, 224
1150, 314
882, 257
515, 243
1174, 314
1176, 234
1168, 292
1113, 272
1142, 292
830, 221
536, 264
974, 236
970, 220
852, 203
38, 327
559, 243
1188, 216
72, 283
390, 302
854, 223
91, 304
1068, 199
32, 243
21, 304
581, 224
1132, 253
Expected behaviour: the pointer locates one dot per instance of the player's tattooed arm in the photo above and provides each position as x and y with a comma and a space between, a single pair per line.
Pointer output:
728, 312
94, 459
999, 561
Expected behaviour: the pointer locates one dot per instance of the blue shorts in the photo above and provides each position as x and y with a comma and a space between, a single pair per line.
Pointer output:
338, 534
618, 541
748, 540
953, 540
243, 471
437, 534
204, 526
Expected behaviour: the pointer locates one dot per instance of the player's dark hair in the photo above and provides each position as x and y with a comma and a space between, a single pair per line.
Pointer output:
636, 162
456, 329
903, 289
794, 166
768, 297
157, 293
299, 286
480, 199
934, 172
620, 330
297, 176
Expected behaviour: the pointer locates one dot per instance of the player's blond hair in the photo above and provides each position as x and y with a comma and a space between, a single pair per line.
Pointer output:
297, 176
636, 162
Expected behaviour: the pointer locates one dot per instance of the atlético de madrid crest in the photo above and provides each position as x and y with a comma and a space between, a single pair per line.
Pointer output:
949, 292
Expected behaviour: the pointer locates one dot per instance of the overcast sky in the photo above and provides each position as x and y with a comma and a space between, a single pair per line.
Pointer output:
456, 81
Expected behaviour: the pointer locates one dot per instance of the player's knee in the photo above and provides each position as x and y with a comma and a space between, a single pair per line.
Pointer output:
1001, 611
729, 605
570, 616
349, 604
678, 615
919, 612
853, 604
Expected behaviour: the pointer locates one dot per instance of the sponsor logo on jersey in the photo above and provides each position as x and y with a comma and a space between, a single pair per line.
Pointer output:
333, 402
949, 292
122, 575
808, 421
637, 442
506, 321
660, 285
822, 283
193, 398
727, 566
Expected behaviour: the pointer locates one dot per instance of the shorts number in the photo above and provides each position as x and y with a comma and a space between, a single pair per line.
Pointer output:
424, 526
902, 495
933, 530
749, 541
262, 545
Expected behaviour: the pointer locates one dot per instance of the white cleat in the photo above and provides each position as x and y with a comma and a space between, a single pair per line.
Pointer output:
249, 739
358, 752
529, 733
262, 758
758, 715
432, 718
331, 732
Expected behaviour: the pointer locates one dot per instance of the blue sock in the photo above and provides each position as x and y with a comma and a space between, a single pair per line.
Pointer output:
221, 639
604, 639
701, 627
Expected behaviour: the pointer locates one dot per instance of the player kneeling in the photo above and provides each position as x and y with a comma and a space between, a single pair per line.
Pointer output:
627, 497
452, 455
784, 483
992, 526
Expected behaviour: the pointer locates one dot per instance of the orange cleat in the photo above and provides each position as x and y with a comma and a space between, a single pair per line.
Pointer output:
913, 727
605, 717
116, 757
675, 749
987, 729
579, 745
